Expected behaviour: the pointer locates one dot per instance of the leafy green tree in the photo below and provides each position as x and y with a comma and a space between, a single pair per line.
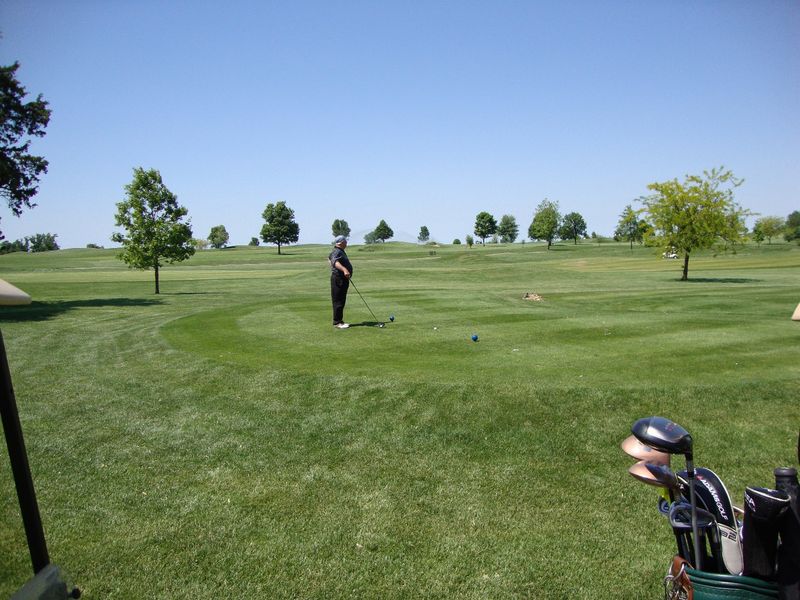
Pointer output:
15, 246
695, 214
280, 227
370, 238
42, 242
507, 229
545, 222
424, 234
94, 246
340, 227
383, 232
456, 242
19, 121
770, 227
469, 240
218, 236
485, 225
253, 241
199, 243
572, 227
151, 217
792, 227
758, 234
629, 227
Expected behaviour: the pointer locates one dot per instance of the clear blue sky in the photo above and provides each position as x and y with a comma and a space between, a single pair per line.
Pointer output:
416, 112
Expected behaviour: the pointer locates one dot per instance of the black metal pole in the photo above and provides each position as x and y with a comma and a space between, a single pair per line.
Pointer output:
20, 467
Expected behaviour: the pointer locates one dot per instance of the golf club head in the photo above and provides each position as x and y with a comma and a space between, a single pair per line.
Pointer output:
680, 519
663, 435
713, 496
657, 475
667, 436
633, 447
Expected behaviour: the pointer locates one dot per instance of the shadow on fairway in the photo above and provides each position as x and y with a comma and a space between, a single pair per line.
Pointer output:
42, 311
721, 280
367, 324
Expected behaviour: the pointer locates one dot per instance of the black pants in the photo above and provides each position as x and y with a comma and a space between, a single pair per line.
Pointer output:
339, 287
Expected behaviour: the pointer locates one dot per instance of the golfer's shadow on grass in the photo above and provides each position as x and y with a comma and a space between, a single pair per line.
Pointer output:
367, 324
721, 280
42, 311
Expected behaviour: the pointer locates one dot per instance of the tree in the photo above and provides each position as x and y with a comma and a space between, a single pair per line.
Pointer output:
19, 120
383, 232
218, 236
253, 241
340, 227
485, 225
370, 238
199, 244
792, 227
572, 227
280, 227
545, 222
769, 227
42, 242
456, 242
758, 235
152, 217
508, 230
469, 240
695, 214
15, 246
424, 234
629, 228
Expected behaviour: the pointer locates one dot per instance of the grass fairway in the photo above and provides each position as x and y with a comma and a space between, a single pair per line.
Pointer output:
222, 440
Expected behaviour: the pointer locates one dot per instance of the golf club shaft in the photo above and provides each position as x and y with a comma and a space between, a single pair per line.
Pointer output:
698, 559
362, 298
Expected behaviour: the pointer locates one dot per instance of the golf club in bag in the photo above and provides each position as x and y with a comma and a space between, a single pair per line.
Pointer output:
666, 436
789, 548
377, 322
763, 509
713, 496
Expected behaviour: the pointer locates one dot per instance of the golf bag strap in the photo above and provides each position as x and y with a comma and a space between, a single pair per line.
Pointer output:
677, 585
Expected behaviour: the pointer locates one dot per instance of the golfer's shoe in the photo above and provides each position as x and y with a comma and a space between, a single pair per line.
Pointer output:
342, 325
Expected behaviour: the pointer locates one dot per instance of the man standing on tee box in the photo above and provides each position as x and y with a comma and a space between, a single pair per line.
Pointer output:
341, 271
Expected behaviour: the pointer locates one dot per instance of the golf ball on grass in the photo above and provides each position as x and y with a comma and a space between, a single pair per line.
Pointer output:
474, 337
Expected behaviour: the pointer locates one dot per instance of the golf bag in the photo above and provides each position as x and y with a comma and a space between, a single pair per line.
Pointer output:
684, 583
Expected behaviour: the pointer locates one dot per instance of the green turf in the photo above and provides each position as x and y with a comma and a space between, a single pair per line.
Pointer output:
222, 440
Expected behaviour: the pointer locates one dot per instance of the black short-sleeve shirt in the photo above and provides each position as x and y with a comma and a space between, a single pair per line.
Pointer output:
339, 255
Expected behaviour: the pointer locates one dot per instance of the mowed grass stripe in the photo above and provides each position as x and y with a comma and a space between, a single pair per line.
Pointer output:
399, 462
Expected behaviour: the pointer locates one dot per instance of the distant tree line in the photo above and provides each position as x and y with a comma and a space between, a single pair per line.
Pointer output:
40, 242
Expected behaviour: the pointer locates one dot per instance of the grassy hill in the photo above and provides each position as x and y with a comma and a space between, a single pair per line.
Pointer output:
221, 439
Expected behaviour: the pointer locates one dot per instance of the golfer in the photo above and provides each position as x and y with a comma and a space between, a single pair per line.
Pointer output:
341, 271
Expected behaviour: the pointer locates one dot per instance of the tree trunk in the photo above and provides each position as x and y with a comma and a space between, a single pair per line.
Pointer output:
685, 276
156, 271
279, 247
